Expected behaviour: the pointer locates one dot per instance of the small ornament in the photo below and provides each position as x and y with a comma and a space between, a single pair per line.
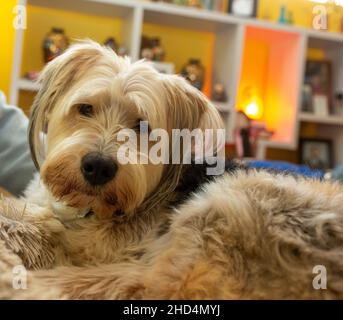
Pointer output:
339, 103
122, 51
151, 49
157, 50
147, 54
111, 43
306, 98
283, 15
54, 44
243, 8
195, 3
219, 93
114, 45
194, 72
32, 75
242, 135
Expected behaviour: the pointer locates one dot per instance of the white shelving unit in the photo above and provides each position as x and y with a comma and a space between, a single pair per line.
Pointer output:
27, 85
230, 36
334, 120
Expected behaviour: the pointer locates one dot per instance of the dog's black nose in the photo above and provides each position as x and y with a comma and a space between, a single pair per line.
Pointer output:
98, 170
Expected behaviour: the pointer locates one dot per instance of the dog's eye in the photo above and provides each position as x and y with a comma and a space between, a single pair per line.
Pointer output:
86, 110
141, 127
137, 126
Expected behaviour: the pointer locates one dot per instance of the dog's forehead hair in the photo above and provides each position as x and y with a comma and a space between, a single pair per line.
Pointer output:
120, 89
107, 96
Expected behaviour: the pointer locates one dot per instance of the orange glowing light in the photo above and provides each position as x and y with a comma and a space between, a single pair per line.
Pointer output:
251, 103
254, 110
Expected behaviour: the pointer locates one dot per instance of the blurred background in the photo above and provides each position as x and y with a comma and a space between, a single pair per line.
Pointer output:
273, 68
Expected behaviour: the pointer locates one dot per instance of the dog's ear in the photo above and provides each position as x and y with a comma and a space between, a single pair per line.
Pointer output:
188, 107
56, 78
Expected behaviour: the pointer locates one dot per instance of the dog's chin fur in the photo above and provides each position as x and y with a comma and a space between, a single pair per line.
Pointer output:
158, 231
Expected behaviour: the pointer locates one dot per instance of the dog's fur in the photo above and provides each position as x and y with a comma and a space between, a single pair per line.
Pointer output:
158, 231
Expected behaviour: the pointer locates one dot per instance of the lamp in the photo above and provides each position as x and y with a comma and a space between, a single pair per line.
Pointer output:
252, 104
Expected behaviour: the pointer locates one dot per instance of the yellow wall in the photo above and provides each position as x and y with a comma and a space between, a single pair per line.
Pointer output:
76, 25
6, 43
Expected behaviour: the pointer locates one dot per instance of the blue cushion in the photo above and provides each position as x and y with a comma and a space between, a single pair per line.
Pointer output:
283, 166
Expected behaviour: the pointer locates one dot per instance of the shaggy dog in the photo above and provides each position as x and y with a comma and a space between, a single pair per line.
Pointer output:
92, 228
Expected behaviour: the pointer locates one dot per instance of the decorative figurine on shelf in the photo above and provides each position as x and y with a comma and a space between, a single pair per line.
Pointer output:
111, 43
242, 136
318, 75
157, 50
195, 3
283, 15
194, 72
219, 93
247, 134
286, 17
339, 103
114, 45
54, 44
146, 53
243, 8
122, 51
32, 75
306, 98
151, 49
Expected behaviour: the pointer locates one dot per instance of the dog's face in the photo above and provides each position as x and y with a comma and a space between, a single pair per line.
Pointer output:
87, 97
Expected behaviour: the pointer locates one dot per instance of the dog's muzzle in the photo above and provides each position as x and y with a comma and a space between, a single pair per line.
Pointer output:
97, 169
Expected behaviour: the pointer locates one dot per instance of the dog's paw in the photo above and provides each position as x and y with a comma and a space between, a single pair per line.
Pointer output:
8, 259
30, 232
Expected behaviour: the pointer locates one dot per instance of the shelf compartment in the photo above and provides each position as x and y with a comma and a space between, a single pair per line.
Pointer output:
96, 20
331, 49
272, 68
